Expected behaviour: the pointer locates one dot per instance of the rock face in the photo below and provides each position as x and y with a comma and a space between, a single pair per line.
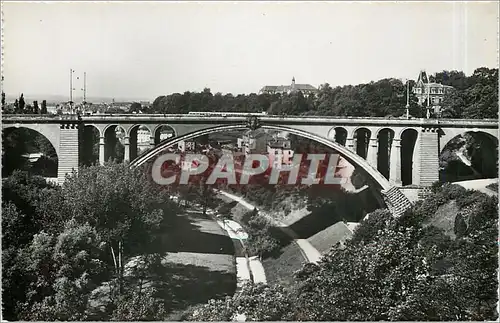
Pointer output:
469, 156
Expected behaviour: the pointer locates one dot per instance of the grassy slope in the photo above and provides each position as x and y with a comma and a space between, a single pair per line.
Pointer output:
200, 259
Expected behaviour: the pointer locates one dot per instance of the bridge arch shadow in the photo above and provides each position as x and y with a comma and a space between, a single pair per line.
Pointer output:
89, 146
29, 149
408, 151
469, 156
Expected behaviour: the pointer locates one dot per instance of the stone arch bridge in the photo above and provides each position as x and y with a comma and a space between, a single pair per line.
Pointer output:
384, 148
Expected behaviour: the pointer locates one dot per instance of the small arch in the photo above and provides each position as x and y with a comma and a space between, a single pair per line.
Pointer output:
467, 156
89, 145
114, 136
385, 137
139, 140
400, 133
163, 132
164, 126
27, 149
362, 140
339, 135
408, 144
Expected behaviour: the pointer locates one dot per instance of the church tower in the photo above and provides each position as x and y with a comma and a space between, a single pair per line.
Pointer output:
293, 84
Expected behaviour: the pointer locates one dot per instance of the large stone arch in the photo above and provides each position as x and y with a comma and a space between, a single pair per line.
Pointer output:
50, 168
49, 131
481, 164
393, 198
448, 134
346, 153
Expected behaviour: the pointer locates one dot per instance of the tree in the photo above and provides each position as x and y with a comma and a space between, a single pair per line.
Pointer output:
43, 110
135, 107
3, 100
122, 204
255, 303
35, 107
21, 103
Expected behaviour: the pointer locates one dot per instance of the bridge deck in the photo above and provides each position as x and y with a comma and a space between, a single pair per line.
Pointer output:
268, 119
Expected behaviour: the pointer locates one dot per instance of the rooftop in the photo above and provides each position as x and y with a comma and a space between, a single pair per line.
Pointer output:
279, 143
286, 88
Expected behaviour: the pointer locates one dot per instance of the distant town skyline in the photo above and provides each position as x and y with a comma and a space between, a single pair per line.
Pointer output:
139, 51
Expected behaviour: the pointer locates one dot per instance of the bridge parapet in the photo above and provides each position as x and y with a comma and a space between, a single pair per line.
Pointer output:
267, 119
37, 118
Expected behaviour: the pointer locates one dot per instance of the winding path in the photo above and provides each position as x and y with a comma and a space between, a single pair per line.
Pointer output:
244, 265
310, 253
480, 185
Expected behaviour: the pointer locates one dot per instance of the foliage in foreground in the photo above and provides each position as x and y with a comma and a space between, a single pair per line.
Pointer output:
392, 269
65, 248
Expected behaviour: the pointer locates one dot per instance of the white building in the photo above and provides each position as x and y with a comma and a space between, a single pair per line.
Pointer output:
143, 135
166, 135
186, 146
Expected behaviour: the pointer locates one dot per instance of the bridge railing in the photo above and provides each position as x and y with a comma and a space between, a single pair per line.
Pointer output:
263, 118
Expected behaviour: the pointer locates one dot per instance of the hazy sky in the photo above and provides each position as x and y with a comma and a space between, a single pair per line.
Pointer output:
142, 50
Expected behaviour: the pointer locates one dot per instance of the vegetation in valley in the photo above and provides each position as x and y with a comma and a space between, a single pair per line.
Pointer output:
65, 249
392, 269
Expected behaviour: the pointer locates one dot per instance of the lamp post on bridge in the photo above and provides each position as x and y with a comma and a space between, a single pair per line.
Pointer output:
84, 89
71, 89
407, 98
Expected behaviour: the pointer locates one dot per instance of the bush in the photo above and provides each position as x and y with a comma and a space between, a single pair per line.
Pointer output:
369, 228
261, 240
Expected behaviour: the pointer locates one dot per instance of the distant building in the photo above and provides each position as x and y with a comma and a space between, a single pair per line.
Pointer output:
143, 135
306, 89
253, 142
280, 152
32, 157
186, 146
430, 94
165, 135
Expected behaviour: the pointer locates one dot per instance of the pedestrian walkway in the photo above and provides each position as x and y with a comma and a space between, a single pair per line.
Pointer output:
242, 272
310, 253
246, 268
257, 269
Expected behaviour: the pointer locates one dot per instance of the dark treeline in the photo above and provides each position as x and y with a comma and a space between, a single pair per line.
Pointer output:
476, 96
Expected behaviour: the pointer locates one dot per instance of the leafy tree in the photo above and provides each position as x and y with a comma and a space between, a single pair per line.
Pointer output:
16, 106
62, 244
135, 107
3, 100
35, 107
122, 204
255, 303
21, 103
43, 109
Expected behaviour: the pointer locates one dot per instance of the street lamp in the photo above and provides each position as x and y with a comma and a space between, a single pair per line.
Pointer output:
71, 89
408, 99
84, 89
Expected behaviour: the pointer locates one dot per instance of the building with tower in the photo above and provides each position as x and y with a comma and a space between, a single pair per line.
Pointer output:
430, 94
306, 89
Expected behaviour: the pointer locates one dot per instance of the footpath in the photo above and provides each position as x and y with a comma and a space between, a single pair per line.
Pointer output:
308, 251
247, 268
